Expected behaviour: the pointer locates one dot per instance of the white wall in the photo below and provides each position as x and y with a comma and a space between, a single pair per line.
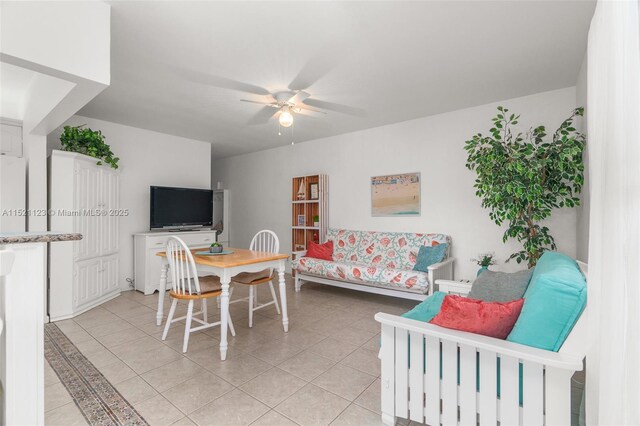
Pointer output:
146, 158
260, 182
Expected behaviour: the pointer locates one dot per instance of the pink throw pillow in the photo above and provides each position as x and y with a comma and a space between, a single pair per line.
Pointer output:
493, 319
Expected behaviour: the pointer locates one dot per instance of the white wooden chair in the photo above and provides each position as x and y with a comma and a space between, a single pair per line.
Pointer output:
188, 286
266, 241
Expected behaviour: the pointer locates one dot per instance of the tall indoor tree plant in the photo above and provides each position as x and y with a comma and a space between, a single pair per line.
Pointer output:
522, 177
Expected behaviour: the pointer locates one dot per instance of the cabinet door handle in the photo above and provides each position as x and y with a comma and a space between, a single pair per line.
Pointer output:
159, 244
207, 239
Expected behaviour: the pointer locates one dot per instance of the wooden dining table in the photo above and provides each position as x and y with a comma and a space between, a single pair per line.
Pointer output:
227, 266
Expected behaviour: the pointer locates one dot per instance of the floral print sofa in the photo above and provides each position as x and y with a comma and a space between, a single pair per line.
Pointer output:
376, 262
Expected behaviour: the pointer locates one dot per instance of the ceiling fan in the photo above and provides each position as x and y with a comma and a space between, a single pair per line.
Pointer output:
285, 103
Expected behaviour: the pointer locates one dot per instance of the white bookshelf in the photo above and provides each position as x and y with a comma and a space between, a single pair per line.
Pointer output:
306, 207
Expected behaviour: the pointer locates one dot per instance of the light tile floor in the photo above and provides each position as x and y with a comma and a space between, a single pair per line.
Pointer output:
324, 371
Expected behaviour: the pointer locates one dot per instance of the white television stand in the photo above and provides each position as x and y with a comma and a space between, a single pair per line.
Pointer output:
147, 244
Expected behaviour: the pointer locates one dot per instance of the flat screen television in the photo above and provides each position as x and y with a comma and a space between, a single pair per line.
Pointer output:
180, 208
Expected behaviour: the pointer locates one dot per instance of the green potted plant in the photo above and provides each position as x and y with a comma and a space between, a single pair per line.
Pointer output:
521, 178
88, 142
215, 248
316, 220
484, 260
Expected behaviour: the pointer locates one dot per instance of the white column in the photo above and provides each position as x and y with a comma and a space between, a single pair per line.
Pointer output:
35, 149
22, 342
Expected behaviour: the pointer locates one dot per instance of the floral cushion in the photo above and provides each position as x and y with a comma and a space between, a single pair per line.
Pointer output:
394, 250
380, 276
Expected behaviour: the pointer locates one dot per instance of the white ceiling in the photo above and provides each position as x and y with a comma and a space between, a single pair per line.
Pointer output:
396, 60
14, 85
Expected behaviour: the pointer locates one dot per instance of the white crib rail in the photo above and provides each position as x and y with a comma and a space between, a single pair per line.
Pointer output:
435, 398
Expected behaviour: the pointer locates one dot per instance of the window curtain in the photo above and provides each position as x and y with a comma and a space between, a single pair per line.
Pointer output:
613, 110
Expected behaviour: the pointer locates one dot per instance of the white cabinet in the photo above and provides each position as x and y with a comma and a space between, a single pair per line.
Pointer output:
84, 198
110, 194
87, 286
95, 278
146, 262
10, 138
13, 194
109, 272
13, 178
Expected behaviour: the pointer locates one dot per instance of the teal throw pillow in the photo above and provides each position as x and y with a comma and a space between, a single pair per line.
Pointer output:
427, 309
553, 302
429, 255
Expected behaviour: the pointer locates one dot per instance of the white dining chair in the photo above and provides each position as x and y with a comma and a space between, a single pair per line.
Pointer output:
265, 241
186, 285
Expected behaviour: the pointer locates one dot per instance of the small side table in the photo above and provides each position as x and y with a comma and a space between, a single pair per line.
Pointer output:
459, 287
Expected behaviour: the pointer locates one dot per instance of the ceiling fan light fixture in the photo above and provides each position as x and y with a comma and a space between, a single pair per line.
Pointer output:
286, 118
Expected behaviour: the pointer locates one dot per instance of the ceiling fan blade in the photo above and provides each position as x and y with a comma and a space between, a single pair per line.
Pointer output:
309, 113
221, 82
299, 97
262, 116
260, 103
317, 67
304, 107
344, 109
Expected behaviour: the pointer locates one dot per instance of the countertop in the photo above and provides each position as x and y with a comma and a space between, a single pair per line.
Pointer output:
37, 237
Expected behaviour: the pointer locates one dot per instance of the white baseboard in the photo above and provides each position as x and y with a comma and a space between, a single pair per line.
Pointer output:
98, 302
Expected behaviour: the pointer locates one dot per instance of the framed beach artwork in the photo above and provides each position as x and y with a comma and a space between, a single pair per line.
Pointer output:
395, 195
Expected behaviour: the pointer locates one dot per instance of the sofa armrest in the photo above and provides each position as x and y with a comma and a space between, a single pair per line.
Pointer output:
298, 254
442, 265
440, 271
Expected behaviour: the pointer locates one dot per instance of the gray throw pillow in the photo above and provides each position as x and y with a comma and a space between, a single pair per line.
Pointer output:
500, 286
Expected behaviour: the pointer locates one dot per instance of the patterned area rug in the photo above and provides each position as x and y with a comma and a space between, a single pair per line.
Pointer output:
99, 402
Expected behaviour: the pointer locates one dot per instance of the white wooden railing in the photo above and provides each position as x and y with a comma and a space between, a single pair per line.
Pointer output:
450, 398
450, 394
